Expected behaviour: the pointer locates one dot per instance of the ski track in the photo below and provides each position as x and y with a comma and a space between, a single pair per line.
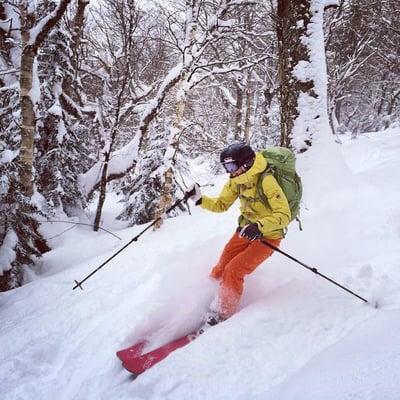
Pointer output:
58, 343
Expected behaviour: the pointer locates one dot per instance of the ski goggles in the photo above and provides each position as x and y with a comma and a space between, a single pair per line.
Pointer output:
231, 166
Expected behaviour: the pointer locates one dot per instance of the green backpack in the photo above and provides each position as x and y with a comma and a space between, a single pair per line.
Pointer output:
282, 165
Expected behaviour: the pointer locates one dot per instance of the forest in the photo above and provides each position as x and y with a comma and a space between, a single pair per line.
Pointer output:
100, 96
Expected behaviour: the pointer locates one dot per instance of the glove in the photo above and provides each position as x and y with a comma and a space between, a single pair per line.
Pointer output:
250, 232
194, 193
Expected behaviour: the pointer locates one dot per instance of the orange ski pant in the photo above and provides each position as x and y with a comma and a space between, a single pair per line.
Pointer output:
239, 258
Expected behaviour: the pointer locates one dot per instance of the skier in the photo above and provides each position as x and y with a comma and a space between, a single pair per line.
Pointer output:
244, 252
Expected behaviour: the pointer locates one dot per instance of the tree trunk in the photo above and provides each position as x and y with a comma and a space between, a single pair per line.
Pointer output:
269, 94
383, 95
226, 120
102, 196
392, 102
247, 118
239, 113
293, 18
169, 159
28, 120
333, 122
70, 83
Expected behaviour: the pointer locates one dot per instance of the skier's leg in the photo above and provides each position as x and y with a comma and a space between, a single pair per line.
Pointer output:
235, 245
241, 265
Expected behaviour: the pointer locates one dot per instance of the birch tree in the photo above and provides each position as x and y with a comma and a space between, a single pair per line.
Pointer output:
34, 31
10, 274
24, 27
205, 27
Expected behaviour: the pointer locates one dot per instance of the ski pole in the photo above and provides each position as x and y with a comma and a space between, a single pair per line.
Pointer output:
79, 284
312, 269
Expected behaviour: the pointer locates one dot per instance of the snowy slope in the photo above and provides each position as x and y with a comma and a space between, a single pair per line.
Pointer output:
363, 365
295, 337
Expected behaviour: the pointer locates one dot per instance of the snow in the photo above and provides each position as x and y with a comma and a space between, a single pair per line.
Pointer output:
352, 377
38, 28
228, 95
55, 109
34, 92
7, 156
38, 200
295, 336
121, 160
226, 23
7, 253
61, 131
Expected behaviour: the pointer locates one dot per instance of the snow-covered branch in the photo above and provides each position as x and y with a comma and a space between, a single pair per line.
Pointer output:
9, 71
40, 31
124, 159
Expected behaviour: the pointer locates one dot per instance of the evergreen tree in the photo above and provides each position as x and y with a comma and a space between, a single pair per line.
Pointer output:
21, 205
62, 147
146, 184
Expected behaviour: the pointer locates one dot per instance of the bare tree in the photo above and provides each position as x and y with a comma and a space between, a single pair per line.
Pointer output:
362, 52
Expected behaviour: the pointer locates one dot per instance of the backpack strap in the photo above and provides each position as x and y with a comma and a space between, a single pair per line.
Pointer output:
260, 191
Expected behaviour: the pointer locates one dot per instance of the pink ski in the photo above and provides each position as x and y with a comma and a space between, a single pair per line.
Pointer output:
135, 362
131, 352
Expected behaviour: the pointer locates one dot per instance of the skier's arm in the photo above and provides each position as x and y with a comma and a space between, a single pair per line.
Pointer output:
221, 203
280, 216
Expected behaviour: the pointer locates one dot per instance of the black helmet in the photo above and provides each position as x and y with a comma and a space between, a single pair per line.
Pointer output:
237, 155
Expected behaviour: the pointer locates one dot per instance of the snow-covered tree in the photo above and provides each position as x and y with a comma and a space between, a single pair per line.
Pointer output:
24, 27
203, 28
62, 144
34, 28
362, 52
119, 70
293, 19
310, 122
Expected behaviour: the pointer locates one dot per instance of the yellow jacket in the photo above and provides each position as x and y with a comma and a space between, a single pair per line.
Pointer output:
271, 219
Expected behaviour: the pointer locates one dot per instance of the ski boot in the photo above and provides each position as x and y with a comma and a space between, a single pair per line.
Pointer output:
212, 319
